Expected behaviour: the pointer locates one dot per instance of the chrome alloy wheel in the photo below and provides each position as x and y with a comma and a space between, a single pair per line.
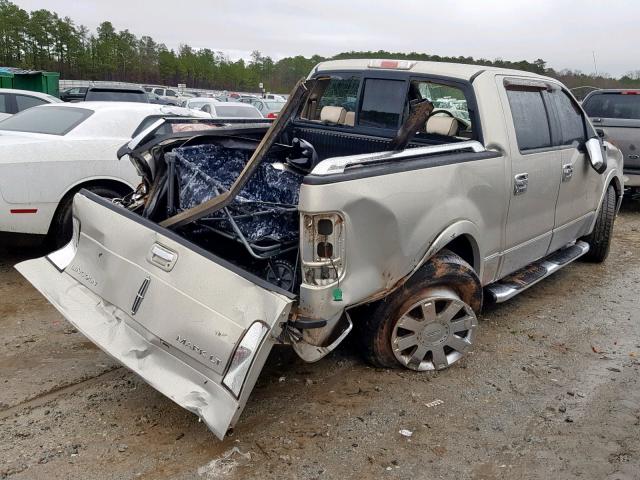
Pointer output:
435, 332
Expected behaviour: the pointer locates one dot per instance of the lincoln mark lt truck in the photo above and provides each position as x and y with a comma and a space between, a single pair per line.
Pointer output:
388, 200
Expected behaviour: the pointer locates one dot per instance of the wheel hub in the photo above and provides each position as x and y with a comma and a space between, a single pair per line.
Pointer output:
433, 334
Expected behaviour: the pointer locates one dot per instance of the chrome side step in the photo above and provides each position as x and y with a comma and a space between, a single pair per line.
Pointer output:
519, 281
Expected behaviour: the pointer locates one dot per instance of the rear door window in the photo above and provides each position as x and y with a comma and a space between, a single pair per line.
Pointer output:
4, 103
27, 101
530, 118
383, 103
613, 105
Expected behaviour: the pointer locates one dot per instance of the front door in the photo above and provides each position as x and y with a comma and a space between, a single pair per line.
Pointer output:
580, 185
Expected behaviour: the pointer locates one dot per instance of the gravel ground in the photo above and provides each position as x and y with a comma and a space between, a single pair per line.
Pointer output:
550, 391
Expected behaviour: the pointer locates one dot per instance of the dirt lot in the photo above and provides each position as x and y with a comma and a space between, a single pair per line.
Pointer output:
550, 391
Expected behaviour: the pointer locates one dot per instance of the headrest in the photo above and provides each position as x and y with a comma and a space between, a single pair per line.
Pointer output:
442, 125
350, 119
333, 115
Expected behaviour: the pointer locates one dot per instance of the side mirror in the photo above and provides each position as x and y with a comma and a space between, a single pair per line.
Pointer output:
596, 154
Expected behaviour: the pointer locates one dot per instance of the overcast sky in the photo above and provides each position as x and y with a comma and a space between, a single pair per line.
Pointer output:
562, 32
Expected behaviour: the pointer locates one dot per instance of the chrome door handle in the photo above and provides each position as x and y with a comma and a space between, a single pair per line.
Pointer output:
596, 120
520, 183
567, 172
162, 257
634, 157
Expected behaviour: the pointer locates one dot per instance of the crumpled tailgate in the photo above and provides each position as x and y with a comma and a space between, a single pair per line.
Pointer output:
179, 323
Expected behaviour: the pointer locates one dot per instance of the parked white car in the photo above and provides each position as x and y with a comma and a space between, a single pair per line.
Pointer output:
13, 101
50, 152
218, 109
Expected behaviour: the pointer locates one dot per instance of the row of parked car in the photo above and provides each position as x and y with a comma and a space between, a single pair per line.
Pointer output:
391, 201
267, 105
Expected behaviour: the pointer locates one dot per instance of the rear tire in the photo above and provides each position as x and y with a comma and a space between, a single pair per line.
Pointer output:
430, 322
62, 227
600, 239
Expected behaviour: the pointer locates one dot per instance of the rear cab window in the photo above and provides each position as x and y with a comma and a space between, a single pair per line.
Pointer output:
621, 105
379, 105
383, 103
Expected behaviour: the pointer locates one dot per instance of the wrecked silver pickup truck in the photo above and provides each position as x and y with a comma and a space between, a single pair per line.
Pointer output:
389, 197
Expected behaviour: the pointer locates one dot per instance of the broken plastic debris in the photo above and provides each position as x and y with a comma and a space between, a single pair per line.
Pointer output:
435, 403
406, 433
224, 465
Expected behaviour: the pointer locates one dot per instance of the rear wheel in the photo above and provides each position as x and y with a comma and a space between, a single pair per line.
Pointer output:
62, 227
431, 322
600, 239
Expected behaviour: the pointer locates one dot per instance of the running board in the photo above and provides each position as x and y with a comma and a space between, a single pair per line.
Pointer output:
519, 281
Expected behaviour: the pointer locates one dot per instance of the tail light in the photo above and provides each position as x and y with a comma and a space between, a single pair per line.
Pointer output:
272, 115
322, 248
243, 357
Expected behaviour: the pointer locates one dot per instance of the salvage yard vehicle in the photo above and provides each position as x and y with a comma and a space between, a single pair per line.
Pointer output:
50, 152
13, 101
617, 114
362, 206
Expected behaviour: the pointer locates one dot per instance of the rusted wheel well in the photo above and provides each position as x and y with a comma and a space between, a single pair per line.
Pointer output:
466, 248
116, 185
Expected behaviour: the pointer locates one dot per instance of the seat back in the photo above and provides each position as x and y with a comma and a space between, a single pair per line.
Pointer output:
332, 115
442, 125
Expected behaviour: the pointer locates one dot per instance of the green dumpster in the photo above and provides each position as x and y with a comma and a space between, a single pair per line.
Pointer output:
34, 80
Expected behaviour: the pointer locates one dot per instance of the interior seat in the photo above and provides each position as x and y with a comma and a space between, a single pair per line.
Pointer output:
332, 115
442, 125
350, 119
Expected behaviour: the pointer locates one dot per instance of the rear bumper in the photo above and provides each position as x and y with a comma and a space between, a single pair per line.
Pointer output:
122, 338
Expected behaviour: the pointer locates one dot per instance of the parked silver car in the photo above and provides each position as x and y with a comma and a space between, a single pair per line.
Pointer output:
362, 206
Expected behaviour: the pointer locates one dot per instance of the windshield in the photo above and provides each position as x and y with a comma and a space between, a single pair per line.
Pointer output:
237, 111
613, 105
49, 120
116, 96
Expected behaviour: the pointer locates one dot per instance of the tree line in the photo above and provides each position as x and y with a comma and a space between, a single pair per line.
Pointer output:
43, 40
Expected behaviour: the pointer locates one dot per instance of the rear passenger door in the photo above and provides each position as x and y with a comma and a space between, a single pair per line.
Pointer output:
580, 185
535, 173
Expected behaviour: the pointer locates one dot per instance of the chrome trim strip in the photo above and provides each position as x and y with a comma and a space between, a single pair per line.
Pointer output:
334, 165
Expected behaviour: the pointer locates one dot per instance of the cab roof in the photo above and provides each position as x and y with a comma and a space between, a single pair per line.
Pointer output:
460, 71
